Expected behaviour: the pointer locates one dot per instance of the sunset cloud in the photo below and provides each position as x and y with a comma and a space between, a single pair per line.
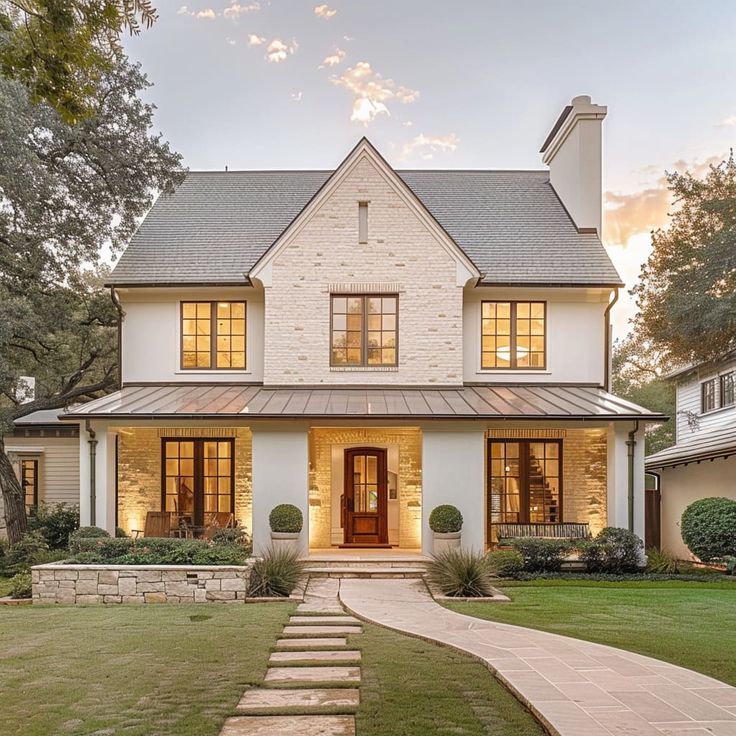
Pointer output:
235, 10
425, 146
324, 11
729, 122
207, 13
278, 50
371, 92
254, 40
333, 59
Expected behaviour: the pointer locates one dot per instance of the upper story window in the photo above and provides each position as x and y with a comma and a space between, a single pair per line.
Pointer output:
213, 335
708, 395
728, 394
364, 330
513, 335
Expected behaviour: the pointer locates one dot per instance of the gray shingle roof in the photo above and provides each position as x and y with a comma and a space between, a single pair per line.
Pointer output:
216, 225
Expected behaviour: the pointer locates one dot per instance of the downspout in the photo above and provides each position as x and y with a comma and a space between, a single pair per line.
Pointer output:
630, 445
92, 473
607, 341
121, 315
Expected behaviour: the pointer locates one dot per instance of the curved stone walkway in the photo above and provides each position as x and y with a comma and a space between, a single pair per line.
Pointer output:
576, 688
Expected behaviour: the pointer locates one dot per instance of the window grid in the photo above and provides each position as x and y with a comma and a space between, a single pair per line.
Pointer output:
29, 482
213, 335
364, 330
513, 335
708, 395
728, 389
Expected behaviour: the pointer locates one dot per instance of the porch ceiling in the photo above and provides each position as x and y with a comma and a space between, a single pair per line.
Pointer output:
498, 401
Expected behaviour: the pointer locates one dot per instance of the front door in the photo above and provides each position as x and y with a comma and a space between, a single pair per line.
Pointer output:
366, 497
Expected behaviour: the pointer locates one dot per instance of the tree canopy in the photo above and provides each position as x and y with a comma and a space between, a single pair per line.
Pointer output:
687, 293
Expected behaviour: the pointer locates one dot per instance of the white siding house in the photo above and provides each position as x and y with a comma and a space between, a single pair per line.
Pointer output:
367, 343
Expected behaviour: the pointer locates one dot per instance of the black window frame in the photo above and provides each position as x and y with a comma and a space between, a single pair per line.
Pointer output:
24, 483
727, 389
708, 398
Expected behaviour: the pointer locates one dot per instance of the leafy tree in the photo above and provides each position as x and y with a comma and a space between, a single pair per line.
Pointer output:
687, 293
68, 191
62, 49
637, 376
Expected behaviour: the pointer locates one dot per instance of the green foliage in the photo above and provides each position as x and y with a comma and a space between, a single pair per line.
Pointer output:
233, 535
276, 573
542, 555
56, 522
461, 573
88, 532
120, 533
613, 550
662, 561
505, 563
731, 565
687, 575
31, 549
104, 548
21, 585
708, 528
286, 519
445, 519
687, 292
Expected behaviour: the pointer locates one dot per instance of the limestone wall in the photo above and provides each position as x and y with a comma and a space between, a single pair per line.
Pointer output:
61, 583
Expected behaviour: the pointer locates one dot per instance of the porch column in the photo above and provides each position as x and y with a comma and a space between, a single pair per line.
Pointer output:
618, 477
280, 475
84, 479
105, 480
453, 462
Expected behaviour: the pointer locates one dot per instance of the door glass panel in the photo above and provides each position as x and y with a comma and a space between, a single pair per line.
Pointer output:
217, 476
179, 477
365, 484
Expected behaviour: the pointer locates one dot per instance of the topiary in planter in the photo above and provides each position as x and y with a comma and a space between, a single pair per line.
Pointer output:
708, 528
286, 519
445, 519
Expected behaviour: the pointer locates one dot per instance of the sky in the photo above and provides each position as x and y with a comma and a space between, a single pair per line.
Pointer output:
291, 84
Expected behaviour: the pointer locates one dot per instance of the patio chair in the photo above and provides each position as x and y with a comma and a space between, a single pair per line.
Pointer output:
158, 524
217, 520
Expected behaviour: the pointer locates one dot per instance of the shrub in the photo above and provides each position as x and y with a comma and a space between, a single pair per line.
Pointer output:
445, 519
662, 561
505, 563
286, 518
106, 548
55, 522
276, 573
730, 565
542, 555
31, 549
87, 532
20, 585
232, 535
613, 550
463, 573
708, 528
120, 533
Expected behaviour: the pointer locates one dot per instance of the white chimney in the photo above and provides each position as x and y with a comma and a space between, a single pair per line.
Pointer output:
573, 153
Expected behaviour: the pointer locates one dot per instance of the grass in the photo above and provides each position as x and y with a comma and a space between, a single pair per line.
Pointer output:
418, 689
679, 622
174, 669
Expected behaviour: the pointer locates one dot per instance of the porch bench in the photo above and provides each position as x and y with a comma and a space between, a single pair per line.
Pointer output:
572, 530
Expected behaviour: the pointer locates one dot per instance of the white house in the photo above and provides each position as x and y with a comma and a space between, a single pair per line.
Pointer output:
702, 462
367, 343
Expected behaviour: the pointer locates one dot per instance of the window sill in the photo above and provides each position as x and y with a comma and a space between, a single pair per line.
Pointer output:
519, 372
717, 410
364, 369
212, 373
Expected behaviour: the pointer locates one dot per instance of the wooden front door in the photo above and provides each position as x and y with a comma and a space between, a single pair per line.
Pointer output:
366, 497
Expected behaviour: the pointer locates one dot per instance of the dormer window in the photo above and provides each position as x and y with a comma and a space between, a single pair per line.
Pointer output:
213, 335
513, 335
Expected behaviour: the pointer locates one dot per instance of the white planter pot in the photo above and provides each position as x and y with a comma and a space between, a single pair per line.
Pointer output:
443, 542
285, 541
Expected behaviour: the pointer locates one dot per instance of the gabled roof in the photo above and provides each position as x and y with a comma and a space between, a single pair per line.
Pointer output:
217, 225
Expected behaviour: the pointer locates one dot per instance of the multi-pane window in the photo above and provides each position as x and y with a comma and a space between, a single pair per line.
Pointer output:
708, 395
364, 330
513, 334
213, 335
29, 482
525, 481
728, 394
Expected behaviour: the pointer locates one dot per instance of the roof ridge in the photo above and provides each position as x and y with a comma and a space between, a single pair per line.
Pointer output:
329, 171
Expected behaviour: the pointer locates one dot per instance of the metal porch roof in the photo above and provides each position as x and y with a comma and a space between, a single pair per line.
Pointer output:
495, 401
704, 446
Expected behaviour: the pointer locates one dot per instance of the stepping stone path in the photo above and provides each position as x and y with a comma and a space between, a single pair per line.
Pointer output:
306, 673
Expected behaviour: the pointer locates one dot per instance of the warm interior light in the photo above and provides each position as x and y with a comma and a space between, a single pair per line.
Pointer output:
505, 352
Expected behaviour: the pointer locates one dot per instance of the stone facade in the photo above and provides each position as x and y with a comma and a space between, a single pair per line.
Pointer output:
61, 583
139, 471
409, 472
401, 256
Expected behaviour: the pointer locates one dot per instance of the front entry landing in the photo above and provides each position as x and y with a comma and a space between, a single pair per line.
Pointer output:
365, 500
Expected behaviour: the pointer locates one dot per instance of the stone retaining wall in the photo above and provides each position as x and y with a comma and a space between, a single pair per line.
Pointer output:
62, 583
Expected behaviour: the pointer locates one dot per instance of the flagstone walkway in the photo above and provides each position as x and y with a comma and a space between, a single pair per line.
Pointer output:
575, 688
311, 685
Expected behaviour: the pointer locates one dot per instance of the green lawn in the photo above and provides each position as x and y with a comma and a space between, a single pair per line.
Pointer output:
680, 622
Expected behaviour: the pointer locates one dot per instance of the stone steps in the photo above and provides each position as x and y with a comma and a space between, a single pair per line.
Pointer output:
365, 571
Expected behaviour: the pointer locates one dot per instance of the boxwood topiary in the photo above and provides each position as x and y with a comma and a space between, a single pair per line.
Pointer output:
708, 528
445, 519
286, 519
540, 554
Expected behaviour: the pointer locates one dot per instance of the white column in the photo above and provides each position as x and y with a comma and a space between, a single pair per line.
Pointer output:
105, 480
618, 477
84, 488
453, 472
280, 475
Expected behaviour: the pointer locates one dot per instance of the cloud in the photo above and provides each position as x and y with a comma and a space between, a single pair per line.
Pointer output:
254, 40
427, 145
278, 50
230, 41
370, 92
207, 13
183, 10
727, 122
296, 96
407, 123
235, 10
333, 59
324, 11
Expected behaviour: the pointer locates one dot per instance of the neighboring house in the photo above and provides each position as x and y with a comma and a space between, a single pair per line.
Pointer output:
368, 343
702, 462
44, 453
